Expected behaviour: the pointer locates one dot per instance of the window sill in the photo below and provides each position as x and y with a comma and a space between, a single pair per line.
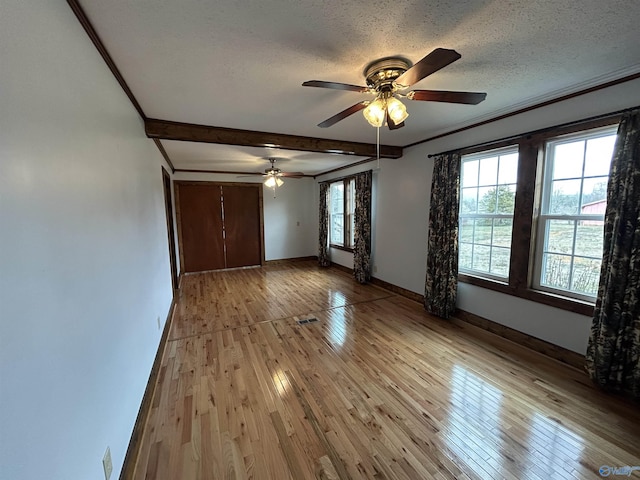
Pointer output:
340, 247
546, 298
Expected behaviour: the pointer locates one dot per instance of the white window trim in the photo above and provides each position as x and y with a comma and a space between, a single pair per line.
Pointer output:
541, 240
481, 156
348, 192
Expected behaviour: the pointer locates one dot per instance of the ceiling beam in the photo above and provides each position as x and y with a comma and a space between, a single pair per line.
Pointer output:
165, 130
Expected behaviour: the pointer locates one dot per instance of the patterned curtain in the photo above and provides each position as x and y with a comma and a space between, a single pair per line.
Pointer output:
362, 234
442, 248
323, 220
613, 354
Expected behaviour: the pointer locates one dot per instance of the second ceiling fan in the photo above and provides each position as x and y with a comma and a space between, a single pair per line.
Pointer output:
387, 79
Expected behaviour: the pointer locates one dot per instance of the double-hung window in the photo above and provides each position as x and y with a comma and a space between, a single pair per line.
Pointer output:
487, 199
341, 213
571, 220
532, 216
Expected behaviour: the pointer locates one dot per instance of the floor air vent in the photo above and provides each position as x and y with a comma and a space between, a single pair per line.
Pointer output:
307, 320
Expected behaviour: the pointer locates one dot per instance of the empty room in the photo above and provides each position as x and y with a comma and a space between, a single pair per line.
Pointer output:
319, 240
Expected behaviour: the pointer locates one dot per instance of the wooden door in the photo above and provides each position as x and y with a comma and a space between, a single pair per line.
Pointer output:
201, 227
241, 206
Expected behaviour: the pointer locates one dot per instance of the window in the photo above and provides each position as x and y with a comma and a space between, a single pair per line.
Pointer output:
341, 213
487, 199
532, 216
574, 198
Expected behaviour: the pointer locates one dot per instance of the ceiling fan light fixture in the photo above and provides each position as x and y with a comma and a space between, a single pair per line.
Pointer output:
273, 182
375, 112
396, 110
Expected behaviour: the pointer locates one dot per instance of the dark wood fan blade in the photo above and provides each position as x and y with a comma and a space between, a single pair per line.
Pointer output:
343, 114
335, 86
291, 174
439, 58
393, 126
469, 98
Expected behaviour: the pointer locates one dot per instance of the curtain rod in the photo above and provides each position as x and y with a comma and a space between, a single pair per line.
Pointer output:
537, 132
353, 175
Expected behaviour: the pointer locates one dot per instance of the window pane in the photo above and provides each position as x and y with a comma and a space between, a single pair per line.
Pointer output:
466, 230
589, 238
337, 197
599, 153
506, 198
352, 196
565, 196
481, 256
482, 233
568, 159
508, 172
586, 275
487, 200
555, 270
500, 261
560, 236
466, 250
337, 229
502, 228
468, 203
488, 171
470, 173
594, 196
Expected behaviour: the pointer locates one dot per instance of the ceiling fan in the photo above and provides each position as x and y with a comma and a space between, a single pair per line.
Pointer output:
387, 78
273, 176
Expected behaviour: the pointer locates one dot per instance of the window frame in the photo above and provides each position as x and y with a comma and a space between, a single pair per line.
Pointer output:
526, 214
479, 156
348, 200
545, 200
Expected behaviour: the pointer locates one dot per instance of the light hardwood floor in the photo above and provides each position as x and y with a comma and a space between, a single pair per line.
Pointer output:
377, 388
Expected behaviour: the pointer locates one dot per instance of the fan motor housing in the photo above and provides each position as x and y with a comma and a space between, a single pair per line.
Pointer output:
381, 73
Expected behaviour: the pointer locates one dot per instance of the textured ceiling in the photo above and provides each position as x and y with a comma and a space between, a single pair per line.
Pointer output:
240, 64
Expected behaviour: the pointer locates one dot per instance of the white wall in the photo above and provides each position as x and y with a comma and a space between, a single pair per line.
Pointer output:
290, 219
84, 270
402, 204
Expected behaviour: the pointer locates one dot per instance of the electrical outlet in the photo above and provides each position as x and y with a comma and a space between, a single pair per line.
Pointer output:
106, 464
158, 319
297, 224
375, 269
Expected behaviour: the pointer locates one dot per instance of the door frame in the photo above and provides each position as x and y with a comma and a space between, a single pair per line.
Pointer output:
178, 183
171, 233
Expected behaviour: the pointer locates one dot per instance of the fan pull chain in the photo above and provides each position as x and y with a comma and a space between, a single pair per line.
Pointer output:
378, 146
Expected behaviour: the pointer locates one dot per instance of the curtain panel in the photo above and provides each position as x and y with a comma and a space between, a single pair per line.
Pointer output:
362, 234
323, 222
442, 244
613, 353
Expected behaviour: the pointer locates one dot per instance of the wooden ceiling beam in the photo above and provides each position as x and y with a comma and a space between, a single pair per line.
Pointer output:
187, 132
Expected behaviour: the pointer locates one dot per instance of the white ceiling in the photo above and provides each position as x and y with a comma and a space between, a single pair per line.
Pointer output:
240, 64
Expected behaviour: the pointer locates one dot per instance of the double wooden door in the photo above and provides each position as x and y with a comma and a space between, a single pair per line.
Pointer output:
219, 225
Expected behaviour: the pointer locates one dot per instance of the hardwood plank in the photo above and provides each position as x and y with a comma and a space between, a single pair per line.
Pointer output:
214, 301
376, 388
